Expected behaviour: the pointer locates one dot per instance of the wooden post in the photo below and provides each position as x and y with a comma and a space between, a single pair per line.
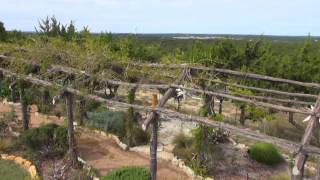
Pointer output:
154, 141
83, 113
220, 105
242, 114
298, 169
291, 121
130, 118
72, 145
24, 106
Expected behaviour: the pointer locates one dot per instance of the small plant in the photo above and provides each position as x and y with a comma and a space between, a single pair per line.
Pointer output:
128, 173
265, 153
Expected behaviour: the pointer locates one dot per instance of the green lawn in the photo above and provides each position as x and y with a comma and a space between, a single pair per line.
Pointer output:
9, 170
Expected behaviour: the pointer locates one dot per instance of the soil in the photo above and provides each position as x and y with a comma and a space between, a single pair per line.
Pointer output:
100, 152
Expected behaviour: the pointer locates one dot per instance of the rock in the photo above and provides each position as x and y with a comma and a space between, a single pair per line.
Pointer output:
11, 158
241, 146
33, 171
27, 165
4, 156
19, 160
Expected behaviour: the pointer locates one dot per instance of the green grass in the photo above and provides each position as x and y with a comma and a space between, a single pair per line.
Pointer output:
9, 170
128, 173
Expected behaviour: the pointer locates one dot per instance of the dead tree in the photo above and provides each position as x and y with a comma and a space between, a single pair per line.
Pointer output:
73, 157
24, 106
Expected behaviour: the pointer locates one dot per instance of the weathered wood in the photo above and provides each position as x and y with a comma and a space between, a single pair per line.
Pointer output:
68, 70
168, 94
249, 101
297, 172
233, 73
154, 141
73, 157
24, 107
282, 101
172, 115
271, 91
291, 121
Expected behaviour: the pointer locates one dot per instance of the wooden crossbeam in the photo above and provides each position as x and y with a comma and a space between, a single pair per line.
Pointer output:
173, 115
233, 73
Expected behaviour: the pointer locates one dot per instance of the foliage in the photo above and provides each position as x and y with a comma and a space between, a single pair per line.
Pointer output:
213, 136
49, 136
265, 153
132, 173
109, 121
10, 170
115, 123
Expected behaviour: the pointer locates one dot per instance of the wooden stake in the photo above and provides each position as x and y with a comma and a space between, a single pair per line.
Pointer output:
24, 106
72, 145
154, 141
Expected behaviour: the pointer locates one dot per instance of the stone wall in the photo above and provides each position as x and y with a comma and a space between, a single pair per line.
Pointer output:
25, 164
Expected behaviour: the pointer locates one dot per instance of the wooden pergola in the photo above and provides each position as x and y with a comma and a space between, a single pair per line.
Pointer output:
280, 100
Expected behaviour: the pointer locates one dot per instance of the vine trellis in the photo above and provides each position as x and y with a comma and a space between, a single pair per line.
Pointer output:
71, 81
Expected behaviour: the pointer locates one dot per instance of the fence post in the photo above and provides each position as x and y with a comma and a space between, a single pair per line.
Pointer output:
71, 141
24, 106
301, 158
154, 141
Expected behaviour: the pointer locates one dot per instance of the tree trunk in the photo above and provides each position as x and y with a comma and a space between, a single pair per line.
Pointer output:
153, 148
24, 108
242, 115
72, 145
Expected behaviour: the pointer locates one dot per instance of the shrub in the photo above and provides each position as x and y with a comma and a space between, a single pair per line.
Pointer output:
49, 136
115, 123
265, 153
182, 141
111, 122
128, 173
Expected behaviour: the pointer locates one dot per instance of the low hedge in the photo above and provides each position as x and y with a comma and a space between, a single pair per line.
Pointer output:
265, 153
128, 173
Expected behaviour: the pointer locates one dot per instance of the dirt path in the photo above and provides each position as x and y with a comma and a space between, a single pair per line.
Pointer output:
105, 155
102, 152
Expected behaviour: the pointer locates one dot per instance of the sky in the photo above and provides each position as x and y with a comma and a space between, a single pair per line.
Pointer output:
260, 17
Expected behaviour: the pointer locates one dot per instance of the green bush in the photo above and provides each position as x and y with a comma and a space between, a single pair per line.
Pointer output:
128, 173
108, 121
115, 123
49, 136
265, 153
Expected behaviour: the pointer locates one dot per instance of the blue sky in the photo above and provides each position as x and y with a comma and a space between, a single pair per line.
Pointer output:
269, 17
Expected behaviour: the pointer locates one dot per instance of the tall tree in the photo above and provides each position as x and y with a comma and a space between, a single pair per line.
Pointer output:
3, 32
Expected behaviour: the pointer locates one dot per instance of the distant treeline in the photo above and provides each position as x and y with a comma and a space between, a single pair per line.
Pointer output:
287, 57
